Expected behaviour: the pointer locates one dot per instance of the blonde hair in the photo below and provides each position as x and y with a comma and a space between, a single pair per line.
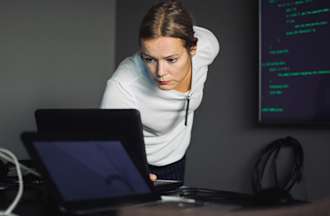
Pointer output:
168, 19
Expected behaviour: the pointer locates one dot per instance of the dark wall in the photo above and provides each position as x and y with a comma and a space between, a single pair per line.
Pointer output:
226, 138
52, 54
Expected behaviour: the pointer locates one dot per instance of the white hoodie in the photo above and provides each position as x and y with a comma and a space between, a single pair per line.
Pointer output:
162, 111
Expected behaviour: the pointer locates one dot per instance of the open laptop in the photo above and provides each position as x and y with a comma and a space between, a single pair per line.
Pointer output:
115, 123
94, 175
112, 122
88, 174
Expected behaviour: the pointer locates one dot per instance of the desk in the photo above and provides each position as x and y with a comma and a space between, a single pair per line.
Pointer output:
33, 204
318, 208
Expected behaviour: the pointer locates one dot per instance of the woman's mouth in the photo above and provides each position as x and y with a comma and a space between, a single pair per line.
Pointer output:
163, 82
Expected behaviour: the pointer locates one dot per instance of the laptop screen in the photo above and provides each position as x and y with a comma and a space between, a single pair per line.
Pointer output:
84, 170
123, 123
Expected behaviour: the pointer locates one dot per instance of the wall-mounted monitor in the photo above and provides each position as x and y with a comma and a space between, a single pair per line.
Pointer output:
294, 62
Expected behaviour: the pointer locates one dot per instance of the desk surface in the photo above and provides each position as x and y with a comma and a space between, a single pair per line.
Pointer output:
35, 205
318, 208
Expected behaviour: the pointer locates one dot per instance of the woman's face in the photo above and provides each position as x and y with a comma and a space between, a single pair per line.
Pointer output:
169, 62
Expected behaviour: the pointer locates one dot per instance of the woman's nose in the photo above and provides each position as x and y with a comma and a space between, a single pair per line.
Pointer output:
160, 70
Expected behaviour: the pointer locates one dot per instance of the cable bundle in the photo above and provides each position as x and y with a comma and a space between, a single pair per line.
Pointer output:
279, 192
7, 155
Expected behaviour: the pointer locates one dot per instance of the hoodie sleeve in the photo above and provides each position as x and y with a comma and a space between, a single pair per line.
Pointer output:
117, 96
207, 46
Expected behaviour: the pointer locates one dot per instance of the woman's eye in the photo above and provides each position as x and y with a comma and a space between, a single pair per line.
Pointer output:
172, 60
149, 60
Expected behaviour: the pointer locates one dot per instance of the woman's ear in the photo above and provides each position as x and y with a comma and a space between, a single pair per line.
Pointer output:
193, 50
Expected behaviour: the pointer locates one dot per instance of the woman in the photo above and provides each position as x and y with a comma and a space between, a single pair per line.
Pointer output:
165, 81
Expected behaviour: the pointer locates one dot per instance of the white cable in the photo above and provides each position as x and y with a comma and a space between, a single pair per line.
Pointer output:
9, 210
23, 167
